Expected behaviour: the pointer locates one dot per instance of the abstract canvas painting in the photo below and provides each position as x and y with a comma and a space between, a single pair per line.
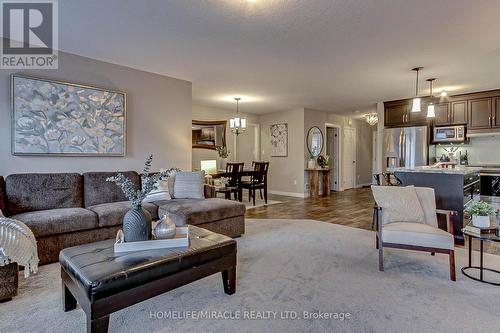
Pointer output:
279, 140
59, 118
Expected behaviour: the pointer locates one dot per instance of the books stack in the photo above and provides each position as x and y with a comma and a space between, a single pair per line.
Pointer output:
480, 231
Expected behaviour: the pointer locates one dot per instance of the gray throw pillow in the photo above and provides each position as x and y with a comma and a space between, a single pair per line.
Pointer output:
189, 185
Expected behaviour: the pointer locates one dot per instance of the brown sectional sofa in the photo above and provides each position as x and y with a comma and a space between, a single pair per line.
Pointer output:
68, 209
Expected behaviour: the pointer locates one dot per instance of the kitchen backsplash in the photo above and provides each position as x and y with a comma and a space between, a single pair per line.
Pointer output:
481, 150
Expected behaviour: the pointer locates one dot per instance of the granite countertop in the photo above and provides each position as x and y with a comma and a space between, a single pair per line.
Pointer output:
458, 170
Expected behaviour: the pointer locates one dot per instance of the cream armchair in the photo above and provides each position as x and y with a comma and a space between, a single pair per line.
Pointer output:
406, 218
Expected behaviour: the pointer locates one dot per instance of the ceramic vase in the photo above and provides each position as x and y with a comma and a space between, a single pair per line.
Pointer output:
137, 225
311, 164
481, 221
165, 228
223, 163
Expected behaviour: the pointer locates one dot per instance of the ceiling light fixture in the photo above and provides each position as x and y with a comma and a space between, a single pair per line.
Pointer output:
415, 107
237, 124
371, 118
444, 93
431, 113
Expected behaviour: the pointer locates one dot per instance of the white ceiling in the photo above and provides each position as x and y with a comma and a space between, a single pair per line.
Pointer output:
337, 55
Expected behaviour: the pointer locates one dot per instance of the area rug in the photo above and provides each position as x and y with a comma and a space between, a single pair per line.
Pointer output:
293, 276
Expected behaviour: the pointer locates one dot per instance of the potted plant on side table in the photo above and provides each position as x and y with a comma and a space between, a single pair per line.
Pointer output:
480, 212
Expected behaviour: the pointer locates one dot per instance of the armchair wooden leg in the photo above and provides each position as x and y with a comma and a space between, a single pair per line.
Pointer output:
261, 197
265, 193
380, 256
452, 266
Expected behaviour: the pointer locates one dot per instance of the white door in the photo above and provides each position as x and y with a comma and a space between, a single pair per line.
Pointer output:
332, 150
248, 145
349, 163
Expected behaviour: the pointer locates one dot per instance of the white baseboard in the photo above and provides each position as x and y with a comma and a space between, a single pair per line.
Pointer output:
288, 194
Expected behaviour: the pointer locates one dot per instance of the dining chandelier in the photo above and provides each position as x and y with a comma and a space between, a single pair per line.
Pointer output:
237, 124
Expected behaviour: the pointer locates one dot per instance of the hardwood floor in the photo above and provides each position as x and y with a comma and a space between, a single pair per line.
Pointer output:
353, 208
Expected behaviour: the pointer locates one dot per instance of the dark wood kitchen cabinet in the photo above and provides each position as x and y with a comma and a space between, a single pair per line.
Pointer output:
418, 118
399, 114
458, 113
480, 113
442, 114
396, 115
496, 112
454, 113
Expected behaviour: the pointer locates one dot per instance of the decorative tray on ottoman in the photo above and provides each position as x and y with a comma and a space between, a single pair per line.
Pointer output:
181, 239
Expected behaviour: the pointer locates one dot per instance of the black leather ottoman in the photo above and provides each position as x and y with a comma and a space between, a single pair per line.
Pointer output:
102, 282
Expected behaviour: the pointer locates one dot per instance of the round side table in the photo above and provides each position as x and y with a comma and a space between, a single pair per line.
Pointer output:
482, 238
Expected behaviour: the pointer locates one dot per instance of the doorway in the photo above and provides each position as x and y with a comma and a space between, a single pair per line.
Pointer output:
333, 150
349, 161
247, 145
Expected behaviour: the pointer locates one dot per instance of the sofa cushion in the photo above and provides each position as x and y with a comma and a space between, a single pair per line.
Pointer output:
199, 211
58, 221
98, 191
189, 185
111, 214
399, 204
41, 191
417, 234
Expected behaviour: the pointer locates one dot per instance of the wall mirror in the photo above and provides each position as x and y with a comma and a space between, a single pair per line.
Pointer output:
314, 141
208, 134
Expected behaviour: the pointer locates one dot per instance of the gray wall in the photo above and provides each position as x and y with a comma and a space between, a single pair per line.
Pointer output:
158, 118
286, 174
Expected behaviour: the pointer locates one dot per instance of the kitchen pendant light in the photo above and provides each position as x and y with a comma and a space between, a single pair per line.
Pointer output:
415, 107
237, 124
430, 108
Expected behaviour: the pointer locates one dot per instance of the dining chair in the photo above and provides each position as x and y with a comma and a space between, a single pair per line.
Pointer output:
233, 172
258, 181
407, 219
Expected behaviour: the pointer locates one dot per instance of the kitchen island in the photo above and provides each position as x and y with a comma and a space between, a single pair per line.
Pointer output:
454, 188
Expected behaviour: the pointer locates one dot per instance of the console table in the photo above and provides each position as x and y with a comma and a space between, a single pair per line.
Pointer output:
314, 176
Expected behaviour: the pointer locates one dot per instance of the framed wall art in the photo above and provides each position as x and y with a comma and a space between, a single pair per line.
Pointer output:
279, 140
57, 118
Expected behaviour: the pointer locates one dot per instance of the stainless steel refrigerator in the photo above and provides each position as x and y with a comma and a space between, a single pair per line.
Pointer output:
406, 147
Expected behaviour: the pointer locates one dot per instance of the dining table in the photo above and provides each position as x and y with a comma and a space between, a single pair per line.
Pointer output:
223, 173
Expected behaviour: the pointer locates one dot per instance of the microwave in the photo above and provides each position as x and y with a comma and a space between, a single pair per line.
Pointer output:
449, 134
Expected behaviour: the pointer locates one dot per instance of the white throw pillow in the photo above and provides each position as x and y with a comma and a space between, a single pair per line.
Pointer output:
161, 193
189, 185
399, 204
